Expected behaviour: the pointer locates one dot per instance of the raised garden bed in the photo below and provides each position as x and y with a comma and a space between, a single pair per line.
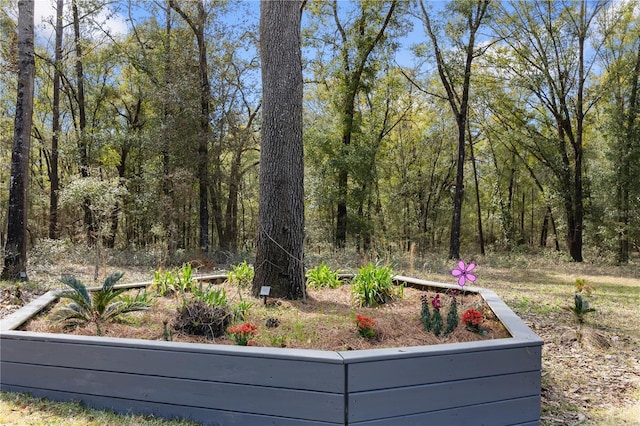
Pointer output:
493, 382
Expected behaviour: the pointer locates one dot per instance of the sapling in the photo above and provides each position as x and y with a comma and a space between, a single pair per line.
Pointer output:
579, 309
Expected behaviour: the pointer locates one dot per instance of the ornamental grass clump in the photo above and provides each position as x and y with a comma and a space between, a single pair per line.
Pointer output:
321, 276
364, 326
242, 334
373, 286
98, 307
241, 275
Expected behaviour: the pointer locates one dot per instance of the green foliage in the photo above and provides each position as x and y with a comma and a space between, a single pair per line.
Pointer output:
373, 285
425, 314
321, 276
100, 306
436, 322
241, 274
164, 283
173, 282
452, 317
211, 296
241, 309
582, 286
580, 308
141, 296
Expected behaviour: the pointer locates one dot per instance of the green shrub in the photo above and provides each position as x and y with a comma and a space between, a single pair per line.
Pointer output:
241, 275
373, 285
98, 307
321, 276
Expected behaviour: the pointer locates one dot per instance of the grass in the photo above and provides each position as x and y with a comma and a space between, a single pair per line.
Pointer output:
582, 383
22, 409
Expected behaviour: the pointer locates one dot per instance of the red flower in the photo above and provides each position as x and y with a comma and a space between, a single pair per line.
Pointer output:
364, 322
246, 328
365, 326
472, 318
436, 303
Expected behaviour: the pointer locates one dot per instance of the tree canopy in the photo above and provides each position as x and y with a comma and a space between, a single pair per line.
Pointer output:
516, 119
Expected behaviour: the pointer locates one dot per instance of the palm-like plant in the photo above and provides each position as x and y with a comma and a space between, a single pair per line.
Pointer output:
580, 308
98, 307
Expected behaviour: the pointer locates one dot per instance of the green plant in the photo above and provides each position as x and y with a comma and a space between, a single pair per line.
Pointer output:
100, 306
242, 334
241, 274
321, 276
164, 283
579, 309
364, 326
436, 317
241, 309
373, 285
425, 314
582, 286
452, 317
210, 295
140, 296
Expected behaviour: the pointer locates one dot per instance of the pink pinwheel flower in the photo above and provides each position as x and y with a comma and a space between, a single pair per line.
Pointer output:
463, 272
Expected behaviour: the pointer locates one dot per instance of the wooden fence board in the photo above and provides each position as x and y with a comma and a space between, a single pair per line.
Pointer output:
417, 399
201, 394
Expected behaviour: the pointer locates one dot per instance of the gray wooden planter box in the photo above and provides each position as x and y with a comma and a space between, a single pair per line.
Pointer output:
493, 382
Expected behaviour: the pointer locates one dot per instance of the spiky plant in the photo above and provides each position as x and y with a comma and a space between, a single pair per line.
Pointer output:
580, 308
98, 306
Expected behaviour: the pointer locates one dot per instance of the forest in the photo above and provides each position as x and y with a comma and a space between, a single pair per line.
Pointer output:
461, 127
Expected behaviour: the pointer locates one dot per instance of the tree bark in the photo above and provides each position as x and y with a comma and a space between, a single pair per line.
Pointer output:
280, 241
54, 177
15, 252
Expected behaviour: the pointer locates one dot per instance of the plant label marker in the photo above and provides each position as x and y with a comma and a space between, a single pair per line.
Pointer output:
264, 292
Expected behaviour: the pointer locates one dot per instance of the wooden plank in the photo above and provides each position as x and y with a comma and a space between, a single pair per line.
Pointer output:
304, 375
503, 413
201, 415
419, 399
191, 393
17, 318
208, 348
392, 373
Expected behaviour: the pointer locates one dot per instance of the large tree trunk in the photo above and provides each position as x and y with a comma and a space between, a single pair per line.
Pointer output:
15, 252
280, 242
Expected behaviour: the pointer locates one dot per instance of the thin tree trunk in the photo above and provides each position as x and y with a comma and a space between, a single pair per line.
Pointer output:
477, 187
15, 252
54, 178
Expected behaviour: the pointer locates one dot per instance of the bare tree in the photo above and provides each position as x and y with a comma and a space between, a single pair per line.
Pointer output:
15, 252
